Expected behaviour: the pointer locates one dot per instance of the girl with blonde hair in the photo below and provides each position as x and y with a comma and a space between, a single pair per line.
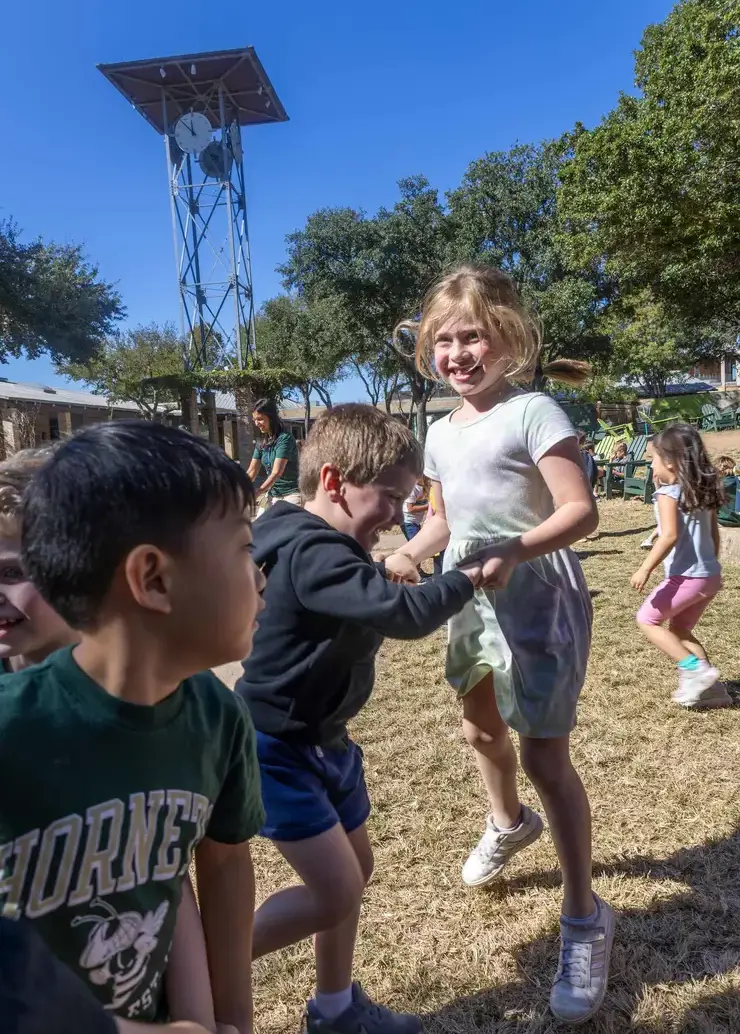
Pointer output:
511, 494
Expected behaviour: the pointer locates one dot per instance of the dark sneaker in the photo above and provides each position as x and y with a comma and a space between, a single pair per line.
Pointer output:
362, 1017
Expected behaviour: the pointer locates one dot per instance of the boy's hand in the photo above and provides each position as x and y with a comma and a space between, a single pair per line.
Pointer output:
472, 571
496, 564
640, 578
399, 568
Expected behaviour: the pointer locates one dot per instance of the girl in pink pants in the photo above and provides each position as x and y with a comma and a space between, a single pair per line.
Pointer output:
686, 505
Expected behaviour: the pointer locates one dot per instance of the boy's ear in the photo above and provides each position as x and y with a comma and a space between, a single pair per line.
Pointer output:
149, 577
331, 480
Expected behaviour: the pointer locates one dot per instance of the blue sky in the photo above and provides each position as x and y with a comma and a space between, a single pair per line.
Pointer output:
375, 91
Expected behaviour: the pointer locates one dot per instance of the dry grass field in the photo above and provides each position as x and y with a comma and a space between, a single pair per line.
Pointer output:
665, 789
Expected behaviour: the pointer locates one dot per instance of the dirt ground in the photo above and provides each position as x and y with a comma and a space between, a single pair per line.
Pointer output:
663, 784
723, 441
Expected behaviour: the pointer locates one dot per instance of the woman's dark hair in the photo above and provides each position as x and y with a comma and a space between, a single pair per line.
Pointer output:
680, 445
269, 408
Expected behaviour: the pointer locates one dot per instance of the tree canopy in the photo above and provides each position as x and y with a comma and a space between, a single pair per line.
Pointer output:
52, 300
651, 194
133, 366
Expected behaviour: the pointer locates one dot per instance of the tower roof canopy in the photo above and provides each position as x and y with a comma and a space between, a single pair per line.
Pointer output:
190, 82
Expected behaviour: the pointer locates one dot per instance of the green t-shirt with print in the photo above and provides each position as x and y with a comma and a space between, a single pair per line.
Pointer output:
102, 805
284, 447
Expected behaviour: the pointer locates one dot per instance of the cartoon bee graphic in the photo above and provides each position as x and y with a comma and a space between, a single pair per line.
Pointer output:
119, 947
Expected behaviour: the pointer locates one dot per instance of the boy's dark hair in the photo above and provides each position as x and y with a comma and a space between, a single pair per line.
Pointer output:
362, 442
682, 447
113, 487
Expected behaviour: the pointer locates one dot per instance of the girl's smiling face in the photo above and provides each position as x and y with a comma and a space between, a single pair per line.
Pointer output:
469, 357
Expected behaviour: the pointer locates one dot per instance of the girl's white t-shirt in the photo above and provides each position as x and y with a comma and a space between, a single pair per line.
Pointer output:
487, 467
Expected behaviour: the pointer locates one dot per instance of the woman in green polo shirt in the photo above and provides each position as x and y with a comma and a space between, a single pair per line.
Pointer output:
276, 452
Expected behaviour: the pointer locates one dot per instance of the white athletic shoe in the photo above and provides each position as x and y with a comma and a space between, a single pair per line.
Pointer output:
698, 688
495, 848
583, 969
648, 543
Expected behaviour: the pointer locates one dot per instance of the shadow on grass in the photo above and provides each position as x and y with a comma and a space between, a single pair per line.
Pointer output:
626, 531
584, 554
686, 938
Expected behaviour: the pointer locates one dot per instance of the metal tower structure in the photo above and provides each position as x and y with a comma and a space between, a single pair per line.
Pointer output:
199, 104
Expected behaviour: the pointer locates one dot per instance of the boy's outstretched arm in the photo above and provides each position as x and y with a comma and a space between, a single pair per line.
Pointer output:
225, 878
330, 578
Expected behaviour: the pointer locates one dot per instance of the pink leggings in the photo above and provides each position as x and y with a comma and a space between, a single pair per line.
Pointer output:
682, 601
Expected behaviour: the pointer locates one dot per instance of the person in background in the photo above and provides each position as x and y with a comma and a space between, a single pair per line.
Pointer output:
439, 558
275, 453
589, 460
686, 503
415, 508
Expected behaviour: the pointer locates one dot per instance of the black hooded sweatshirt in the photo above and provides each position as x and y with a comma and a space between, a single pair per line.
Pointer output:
328, 609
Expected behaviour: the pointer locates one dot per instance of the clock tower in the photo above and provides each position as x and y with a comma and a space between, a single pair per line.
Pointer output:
199, 104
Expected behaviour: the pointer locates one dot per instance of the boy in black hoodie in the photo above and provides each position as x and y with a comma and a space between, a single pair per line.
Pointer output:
328, 608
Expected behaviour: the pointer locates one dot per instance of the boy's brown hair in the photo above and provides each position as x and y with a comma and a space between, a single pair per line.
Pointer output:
15, 476
362, 442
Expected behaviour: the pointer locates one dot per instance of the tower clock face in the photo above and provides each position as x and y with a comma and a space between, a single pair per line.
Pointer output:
193, 132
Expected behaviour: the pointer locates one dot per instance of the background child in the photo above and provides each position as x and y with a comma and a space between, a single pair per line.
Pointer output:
512, 495
136, 534
415, 507
29, 632
328, 608
686, 504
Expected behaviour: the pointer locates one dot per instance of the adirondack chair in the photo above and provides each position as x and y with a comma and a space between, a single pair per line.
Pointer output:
618, 431
714, 419
604, 447
728, 515
632, 484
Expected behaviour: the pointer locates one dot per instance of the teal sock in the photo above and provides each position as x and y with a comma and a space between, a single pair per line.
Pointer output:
689, 663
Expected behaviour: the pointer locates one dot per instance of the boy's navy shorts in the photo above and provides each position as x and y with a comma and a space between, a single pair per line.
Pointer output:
308, 790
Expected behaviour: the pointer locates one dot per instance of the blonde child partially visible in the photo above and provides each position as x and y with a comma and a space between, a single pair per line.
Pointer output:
511, 494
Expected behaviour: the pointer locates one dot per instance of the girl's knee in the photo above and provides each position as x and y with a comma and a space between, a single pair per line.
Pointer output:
546, 762
487, 740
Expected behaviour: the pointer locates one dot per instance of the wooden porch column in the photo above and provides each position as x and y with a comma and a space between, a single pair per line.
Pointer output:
65, 423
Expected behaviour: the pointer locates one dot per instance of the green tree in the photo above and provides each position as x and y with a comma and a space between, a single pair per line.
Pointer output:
376, 270
650, 346
505, 213
308, 340
51, 300
129, 367
651, 194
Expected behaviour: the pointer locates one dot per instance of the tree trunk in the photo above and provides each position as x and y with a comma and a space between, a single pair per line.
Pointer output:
244, 429
209, 405
306, 412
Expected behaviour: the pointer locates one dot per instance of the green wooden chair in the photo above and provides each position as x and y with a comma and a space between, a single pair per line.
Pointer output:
728, 515
618, 431
714, 419
632, 483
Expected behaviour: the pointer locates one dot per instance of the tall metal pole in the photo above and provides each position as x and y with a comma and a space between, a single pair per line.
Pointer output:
230, 206
173, 214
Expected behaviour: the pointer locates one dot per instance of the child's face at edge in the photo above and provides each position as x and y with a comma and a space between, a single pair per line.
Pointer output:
364, 511
662, 471
468, 356
28, 625
215, 593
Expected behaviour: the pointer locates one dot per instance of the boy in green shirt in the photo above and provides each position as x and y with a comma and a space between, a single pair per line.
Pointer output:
122, 759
